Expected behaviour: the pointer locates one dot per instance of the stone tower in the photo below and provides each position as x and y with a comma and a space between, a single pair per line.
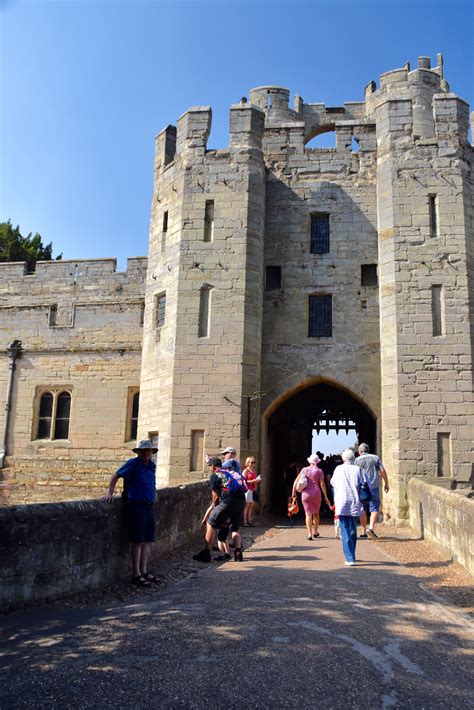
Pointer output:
292, 287
204, 294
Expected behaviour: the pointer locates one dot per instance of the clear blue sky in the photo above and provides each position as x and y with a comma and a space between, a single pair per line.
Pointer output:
86, 85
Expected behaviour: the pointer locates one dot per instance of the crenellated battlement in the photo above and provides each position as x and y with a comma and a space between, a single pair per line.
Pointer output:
306, 120
71, 270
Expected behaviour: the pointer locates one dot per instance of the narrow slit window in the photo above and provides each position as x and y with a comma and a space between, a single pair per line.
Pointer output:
209, 221
319, 233
368, 275
320, 316
53, 315
437, 309
444, 454
433, 206
134, 409
204, 311
160, 310
164, 231
197, 450
272, 277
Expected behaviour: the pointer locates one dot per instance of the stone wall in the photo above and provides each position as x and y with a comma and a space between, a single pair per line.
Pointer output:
80, 324
52, 550
445, 517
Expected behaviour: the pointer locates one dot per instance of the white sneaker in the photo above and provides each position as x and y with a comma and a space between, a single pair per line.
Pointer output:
349, 564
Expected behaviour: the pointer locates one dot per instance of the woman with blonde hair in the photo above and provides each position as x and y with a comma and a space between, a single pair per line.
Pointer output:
250, 475
311, 494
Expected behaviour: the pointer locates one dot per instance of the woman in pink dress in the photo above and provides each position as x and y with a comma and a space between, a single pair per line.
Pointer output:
311, 494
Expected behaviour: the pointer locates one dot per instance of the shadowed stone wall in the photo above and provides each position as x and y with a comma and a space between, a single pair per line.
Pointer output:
52, 550
445, 517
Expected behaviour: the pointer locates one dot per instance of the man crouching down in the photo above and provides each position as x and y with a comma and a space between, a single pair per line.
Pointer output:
139, 483
228, 498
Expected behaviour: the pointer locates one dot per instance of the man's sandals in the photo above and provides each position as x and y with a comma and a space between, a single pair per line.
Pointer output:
144, 580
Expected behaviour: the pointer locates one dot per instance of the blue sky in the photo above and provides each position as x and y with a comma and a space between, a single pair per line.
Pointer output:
87, 84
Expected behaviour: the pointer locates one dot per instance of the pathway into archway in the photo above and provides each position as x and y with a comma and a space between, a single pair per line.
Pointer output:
320, 407
318, 635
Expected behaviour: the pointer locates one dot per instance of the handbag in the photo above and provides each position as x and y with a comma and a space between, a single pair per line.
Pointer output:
293, 507
301, 483
365, 494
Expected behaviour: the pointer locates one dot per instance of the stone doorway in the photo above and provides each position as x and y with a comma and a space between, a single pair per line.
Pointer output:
323, 407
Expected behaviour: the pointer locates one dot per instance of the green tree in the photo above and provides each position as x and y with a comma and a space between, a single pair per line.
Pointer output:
15, 247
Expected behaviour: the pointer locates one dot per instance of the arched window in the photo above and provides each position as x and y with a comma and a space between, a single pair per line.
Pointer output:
45, 416
63, 410
323, 139
53, 415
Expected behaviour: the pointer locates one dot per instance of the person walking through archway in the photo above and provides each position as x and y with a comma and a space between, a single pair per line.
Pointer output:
311, 494
346, 482
373, 469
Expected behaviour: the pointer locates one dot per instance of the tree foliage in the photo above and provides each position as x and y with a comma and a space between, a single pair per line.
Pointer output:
15, 247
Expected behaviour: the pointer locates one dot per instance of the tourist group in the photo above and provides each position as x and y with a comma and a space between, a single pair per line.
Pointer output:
351, 491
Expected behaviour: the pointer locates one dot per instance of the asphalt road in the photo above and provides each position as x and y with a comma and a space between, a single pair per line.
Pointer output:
289, 627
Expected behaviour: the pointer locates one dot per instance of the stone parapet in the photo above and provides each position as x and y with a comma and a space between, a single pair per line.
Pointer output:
445, 517
52, 550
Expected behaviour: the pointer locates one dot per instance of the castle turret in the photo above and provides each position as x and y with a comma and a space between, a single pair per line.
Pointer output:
202, 334
424, 262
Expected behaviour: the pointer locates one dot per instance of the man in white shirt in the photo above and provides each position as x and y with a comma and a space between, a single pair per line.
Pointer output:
346, 482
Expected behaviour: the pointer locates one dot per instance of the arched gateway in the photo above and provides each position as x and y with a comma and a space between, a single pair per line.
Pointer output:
290, 422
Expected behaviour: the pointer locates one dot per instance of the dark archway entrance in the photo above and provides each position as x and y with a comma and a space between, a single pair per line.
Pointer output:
322, 407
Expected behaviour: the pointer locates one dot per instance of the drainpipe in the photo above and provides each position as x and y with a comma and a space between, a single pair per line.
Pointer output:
13, 352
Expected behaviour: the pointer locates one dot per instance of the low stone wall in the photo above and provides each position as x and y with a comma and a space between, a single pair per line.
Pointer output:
52, 550
445, 517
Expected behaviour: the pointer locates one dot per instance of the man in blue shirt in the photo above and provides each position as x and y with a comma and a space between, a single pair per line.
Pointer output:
140, 488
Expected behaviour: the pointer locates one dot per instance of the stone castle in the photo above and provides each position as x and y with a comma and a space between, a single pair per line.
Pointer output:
287, 288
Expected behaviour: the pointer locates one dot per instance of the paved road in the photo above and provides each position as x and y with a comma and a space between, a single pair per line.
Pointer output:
289, 627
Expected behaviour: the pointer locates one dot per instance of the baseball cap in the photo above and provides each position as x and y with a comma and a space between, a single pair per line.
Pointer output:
228, 450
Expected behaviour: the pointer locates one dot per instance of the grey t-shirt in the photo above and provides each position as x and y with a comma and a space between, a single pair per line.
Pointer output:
370, 465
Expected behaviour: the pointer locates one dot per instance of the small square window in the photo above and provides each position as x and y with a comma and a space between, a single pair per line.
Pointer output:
272, 277
368, 275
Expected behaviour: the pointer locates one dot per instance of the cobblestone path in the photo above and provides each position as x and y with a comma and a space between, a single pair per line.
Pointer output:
290, 627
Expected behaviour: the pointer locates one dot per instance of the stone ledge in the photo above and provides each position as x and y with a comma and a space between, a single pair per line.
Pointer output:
445, 517
51, 550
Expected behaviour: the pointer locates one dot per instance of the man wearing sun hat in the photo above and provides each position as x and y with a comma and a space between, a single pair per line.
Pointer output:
140, 488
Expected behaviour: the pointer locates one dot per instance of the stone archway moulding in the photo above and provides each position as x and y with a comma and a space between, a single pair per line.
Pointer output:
286, 392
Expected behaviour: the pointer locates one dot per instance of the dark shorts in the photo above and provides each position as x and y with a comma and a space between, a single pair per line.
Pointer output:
223, 533
141, 522
374, 502
229, 510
